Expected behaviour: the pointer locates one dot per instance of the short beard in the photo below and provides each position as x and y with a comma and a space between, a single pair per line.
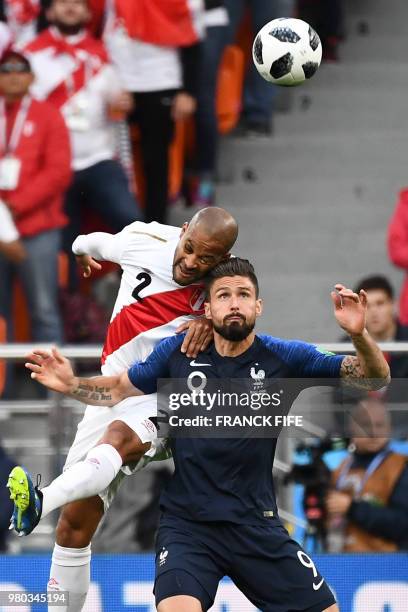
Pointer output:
235, 332
69, 30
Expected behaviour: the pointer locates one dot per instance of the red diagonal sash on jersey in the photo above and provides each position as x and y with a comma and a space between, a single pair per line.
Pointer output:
152, 311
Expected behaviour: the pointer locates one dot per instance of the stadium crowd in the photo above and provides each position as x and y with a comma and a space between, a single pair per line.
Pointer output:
93, 97
126, 84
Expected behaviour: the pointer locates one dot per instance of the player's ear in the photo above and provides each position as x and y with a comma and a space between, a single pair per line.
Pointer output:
207, 310
183, 228
258, 307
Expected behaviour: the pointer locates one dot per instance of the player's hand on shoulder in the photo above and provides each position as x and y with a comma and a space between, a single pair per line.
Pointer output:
350, 309
199, 336
87, 263
51, 369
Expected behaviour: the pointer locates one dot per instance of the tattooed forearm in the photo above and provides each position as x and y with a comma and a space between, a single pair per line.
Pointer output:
352, 373
103, 390
94, 393
351, 368
90, 393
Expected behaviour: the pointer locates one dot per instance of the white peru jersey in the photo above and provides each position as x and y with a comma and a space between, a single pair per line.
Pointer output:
150, 305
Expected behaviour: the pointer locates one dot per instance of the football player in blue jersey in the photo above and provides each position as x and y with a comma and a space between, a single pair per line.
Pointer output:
219, 513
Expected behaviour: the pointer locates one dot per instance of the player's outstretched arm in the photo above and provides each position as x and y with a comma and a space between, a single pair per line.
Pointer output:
54, 371
369, 369
97, 246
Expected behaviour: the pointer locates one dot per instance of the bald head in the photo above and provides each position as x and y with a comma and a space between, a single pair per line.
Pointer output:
216, 223
370, 425
204, 242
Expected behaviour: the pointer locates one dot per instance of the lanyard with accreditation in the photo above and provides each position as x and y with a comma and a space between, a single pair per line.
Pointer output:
374, 464
10, 165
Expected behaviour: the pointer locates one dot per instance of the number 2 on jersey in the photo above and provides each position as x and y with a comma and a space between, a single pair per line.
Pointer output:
145, 280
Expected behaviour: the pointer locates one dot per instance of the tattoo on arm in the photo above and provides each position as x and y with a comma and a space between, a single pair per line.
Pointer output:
353, 375
93, 393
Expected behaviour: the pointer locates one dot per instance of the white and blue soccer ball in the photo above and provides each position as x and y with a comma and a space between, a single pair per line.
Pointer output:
287, 51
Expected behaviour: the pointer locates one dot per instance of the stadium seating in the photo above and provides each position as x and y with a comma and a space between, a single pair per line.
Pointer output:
229, 88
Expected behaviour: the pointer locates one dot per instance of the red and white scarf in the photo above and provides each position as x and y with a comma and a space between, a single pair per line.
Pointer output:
22, 12
87, 64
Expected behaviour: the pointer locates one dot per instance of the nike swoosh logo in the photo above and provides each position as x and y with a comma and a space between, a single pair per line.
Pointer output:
316, 587
194, 363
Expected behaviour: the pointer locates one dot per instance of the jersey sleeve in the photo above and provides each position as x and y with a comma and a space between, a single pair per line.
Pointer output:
144, 375
121, 248
101, 246
305, 360
128, 247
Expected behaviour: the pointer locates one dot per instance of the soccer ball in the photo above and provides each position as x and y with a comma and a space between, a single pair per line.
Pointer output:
287, 51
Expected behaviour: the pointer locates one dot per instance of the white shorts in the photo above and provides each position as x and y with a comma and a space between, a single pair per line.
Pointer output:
136, 413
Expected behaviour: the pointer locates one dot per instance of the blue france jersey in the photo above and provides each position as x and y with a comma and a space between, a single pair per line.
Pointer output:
228, 479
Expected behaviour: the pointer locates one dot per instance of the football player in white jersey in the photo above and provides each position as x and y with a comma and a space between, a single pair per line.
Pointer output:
160, 293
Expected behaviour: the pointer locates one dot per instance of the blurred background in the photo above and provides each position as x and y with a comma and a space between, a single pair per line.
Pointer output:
316, 177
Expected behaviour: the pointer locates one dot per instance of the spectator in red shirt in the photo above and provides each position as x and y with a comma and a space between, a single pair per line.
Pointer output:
34, 173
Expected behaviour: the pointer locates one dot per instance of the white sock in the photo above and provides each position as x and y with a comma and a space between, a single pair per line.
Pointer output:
84, 479
70, 572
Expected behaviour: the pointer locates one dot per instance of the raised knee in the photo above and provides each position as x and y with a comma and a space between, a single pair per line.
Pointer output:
118, 435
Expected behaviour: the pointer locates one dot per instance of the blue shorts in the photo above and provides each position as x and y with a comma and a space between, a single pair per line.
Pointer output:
270, 568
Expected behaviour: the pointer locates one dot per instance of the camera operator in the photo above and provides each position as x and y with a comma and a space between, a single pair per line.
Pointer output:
367, 507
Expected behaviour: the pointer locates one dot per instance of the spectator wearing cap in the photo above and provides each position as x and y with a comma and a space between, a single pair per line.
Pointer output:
10, 244
34, 174
74, 74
